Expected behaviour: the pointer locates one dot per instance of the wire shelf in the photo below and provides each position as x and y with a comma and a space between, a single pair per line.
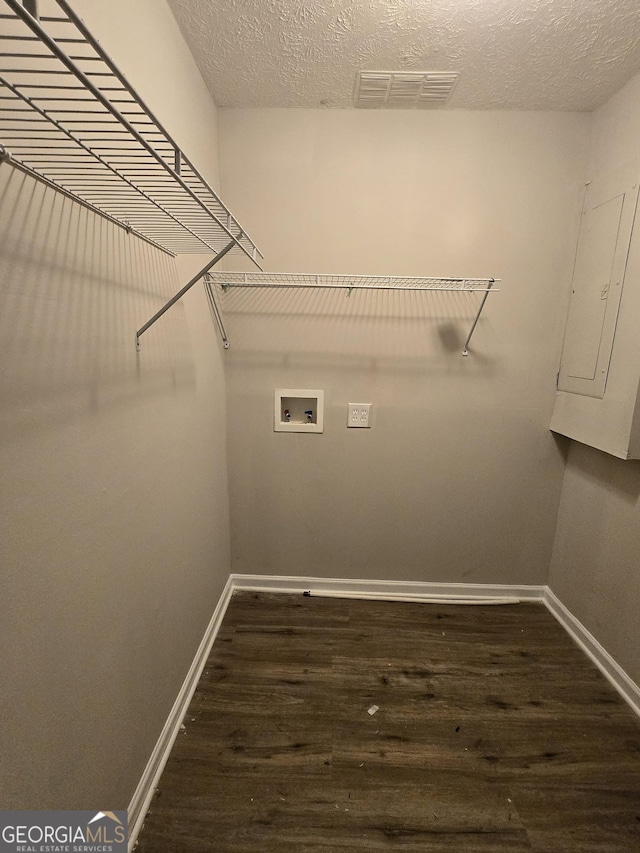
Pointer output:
227, 280
69, 118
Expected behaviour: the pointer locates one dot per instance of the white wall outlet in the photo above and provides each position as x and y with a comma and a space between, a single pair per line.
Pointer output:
359, 415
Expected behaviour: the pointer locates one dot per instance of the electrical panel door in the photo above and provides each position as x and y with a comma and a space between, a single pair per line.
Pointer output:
598, 280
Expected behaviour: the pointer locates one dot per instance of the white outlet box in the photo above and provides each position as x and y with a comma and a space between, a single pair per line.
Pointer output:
359, 415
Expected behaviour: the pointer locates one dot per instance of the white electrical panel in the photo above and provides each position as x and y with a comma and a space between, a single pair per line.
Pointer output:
598, 278
599, 372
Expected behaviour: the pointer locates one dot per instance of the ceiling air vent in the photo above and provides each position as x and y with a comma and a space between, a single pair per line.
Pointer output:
408, 89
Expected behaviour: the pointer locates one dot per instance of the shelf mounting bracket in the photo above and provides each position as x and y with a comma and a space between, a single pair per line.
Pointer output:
182, 292
490, 284
215, 310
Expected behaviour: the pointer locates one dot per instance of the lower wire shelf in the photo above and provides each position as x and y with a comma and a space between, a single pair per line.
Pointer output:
349, 283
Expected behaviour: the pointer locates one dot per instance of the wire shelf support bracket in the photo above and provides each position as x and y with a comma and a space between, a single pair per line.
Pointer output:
182, 292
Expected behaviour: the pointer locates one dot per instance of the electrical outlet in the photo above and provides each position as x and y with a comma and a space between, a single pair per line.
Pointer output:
359, 415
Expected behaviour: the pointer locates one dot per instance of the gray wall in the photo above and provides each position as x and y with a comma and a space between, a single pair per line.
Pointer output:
595, 569
459, 478
115, 543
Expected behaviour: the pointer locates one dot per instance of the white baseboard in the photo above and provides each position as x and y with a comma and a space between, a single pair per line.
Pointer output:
387, 590
364, 589
614, 673
143, 795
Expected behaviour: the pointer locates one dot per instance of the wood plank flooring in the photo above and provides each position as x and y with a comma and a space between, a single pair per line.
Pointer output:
494, 733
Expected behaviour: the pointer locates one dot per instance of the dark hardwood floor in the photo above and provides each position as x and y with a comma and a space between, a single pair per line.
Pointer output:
494, 733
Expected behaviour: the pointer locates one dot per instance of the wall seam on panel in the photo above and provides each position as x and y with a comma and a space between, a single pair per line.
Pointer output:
607, 665
143, 794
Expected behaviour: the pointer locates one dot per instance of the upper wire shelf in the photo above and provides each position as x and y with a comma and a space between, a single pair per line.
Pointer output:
69, 118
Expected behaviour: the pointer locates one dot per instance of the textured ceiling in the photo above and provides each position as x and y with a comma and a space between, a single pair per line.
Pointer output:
511, 54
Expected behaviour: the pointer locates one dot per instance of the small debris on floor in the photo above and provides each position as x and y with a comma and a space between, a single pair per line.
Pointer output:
372, 710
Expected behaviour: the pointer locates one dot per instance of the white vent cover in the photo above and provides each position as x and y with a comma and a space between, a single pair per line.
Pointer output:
408, 89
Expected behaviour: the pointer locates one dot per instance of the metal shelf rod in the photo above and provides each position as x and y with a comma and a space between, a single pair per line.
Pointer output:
351, 283
353, 287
